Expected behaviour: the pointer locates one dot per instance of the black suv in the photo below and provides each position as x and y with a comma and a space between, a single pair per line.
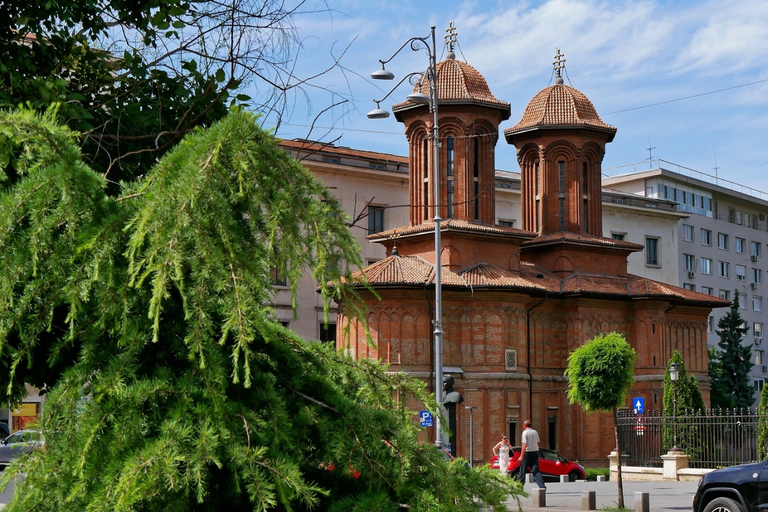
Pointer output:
742, 488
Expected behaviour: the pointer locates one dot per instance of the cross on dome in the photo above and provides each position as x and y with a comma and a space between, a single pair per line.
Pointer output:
559, 64
450, 39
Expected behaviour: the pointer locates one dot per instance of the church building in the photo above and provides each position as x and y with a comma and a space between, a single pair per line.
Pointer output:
517, 302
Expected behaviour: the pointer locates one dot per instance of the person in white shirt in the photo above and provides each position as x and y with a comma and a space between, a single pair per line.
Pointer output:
529, 454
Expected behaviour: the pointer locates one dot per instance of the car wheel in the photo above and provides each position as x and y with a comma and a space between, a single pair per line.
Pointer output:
723, 505
573, 476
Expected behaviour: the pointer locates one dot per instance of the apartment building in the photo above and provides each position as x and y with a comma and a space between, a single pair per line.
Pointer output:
722, 242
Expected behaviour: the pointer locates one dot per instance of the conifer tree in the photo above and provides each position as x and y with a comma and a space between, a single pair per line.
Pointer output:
689, 401
147, 317
732, 361
762, 425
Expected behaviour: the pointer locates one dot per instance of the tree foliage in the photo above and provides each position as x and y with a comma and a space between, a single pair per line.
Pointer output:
135, 77
762, 425
147, 318
689, 401
731, 364
600, 374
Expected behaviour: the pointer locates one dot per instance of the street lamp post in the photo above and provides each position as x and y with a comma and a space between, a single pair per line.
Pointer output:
674, 374
426, 43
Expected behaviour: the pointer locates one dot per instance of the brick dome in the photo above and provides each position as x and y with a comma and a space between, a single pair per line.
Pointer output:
460, 83
559, 106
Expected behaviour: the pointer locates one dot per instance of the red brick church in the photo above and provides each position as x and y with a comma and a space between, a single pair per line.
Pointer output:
517, 302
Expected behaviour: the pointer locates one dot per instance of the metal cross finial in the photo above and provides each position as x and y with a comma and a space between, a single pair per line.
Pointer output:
559, 64
450, 39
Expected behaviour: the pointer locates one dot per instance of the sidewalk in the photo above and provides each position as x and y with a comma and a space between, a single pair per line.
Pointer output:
566, 497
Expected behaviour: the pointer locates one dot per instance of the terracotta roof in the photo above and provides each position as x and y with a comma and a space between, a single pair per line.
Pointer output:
449, 225
310, 146
458, 81
399, 270
560, 105
568, 236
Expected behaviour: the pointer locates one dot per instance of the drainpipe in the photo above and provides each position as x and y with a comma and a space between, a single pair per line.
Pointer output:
528, 344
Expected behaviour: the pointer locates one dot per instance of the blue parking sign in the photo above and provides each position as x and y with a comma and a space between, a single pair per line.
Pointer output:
425, 418
638, 405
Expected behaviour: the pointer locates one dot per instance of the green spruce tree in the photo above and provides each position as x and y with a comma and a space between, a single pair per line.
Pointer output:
732, 362
762, 425
689, 402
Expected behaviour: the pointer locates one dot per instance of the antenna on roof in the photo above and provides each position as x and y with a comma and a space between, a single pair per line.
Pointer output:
650, 153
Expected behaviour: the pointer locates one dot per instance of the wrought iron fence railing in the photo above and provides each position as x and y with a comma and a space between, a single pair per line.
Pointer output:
713, 438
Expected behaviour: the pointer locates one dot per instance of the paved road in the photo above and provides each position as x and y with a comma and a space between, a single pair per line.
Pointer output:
566, 497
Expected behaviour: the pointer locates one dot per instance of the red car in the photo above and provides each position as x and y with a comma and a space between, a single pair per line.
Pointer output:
551, 465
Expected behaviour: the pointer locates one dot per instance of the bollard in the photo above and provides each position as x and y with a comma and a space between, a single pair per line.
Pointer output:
601, 478
529, 478
564, 478
588, 500
539, 497
642, 502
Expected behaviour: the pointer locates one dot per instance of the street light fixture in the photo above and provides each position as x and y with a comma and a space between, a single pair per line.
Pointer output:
674, 374
430, 75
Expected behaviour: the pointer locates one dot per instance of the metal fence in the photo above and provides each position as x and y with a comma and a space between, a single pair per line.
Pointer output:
713, 438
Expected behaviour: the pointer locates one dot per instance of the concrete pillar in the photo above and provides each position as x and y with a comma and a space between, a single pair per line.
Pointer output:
539, 497
588, 500
529, 478
642, 502
613, 463
601, 478
674, 460
564, 478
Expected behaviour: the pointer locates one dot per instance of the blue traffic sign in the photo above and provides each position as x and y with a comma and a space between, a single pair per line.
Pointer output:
425, 418
638, 405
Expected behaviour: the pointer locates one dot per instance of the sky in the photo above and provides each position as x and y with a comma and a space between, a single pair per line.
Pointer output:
683, 81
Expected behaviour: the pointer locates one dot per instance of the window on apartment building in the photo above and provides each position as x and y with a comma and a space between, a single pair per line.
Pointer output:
757, 303
327, 332
743, 305
707, 290
706, 266
759, 384
722, 241
741, 245
757, 330
651, 251
737, 217
706, 236
710, 323
689, 286
759, 357
757, 276
376, 218
725, 294
745, 217
690, 262
724, 269
507, 223
754, 249
276, 277
741, 272
619, 236
687, 233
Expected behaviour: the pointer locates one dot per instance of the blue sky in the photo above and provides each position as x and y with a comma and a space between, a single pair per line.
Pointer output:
686, 78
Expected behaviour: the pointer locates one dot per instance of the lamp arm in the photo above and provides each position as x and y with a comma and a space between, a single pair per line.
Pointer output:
415, 43
410, 77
